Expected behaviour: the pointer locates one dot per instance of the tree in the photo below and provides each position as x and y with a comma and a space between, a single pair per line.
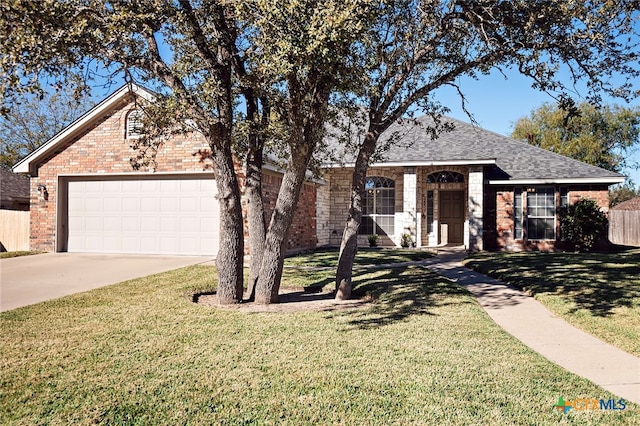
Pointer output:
201, 57
604, 136
623, 192
307, 50
419, 46
36, 120
181, 51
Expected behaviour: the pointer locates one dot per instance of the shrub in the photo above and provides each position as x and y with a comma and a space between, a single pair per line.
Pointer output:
373, 240
582, 224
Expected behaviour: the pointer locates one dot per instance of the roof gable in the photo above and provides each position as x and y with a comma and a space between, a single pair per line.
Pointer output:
30, 163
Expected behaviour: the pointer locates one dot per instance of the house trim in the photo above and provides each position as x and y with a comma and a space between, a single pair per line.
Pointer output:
607, 180
490, 161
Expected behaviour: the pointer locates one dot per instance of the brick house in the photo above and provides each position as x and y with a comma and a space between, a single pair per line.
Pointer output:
470, 187
86, 196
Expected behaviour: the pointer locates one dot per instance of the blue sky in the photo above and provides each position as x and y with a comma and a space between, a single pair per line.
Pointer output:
496, 103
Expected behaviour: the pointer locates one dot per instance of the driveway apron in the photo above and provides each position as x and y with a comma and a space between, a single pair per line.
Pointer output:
31, 279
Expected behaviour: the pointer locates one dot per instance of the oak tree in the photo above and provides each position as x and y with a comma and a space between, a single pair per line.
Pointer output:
604, 136
418, 46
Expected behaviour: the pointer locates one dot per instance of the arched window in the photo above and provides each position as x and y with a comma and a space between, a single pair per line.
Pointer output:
134, 124
378, 206
445, 177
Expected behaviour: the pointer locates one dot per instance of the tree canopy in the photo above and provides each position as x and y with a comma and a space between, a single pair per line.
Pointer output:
35, 120
241, 71
604, 136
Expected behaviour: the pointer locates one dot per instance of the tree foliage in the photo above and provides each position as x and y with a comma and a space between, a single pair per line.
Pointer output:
582, 224
621, 193
242, 71
35, 120
604, 136
417, 47
211, 63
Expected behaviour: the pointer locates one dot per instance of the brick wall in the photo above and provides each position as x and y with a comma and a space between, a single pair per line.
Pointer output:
502, 236
339, 181
302, 233
103, 149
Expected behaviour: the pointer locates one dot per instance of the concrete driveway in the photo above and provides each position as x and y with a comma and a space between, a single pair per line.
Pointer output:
31, 279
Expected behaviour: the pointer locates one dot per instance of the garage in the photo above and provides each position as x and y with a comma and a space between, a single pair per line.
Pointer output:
151, 215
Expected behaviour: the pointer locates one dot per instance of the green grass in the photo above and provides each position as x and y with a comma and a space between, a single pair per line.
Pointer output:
10, 254
366, 256
141, 353
597, 292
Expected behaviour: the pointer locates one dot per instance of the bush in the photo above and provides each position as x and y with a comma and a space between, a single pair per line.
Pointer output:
373, 240
582, 224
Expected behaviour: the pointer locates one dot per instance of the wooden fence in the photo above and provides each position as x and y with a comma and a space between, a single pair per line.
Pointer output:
14, 230
624, 227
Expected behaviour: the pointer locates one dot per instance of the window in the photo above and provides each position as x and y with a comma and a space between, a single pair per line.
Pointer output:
564, 203
564, 196
445, 177
541, 214
517, 214
134, 124
429, 212
378, 206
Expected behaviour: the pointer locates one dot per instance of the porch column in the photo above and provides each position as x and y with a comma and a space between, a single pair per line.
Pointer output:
473, 234
409, 215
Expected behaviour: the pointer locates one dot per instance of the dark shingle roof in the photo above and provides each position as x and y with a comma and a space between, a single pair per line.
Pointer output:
13, 186
514, 159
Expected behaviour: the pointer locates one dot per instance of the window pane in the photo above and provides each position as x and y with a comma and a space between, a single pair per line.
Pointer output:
378, 199
385, 225
541, 208
366, 226
429, 211
517, 214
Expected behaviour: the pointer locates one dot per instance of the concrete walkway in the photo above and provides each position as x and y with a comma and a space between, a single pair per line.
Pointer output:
552, 337
27, 280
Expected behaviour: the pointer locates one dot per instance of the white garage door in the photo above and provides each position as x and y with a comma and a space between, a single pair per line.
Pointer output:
151, 216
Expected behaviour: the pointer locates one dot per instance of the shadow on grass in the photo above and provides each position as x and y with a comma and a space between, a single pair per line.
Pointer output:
400, 294
328, 257
597, 282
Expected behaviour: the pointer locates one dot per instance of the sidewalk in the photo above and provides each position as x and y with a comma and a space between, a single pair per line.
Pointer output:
552, 337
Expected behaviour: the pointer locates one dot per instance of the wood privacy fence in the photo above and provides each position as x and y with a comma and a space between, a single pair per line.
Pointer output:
14, 230
624, 227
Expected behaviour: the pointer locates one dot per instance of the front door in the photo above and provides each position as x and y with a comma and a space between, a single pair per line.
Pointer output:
452, 215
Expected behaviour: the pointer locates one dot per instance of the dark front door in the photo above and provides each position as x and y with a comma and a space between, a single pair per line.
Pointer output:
452, 214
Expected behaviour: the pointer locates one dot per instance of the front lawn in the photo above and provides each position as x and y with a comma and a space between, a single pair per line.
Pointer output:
366, 256
597, 292
141, 352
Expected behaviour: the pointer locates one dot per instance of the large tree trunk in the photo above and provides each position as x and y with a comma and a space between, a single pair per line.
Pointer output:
268, 283
255, 214
231, 252
349, 244
307, 112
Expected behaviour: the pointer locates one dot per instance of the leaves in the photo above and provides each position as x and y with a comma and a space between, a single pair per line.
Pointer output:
604, 137
583, 223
